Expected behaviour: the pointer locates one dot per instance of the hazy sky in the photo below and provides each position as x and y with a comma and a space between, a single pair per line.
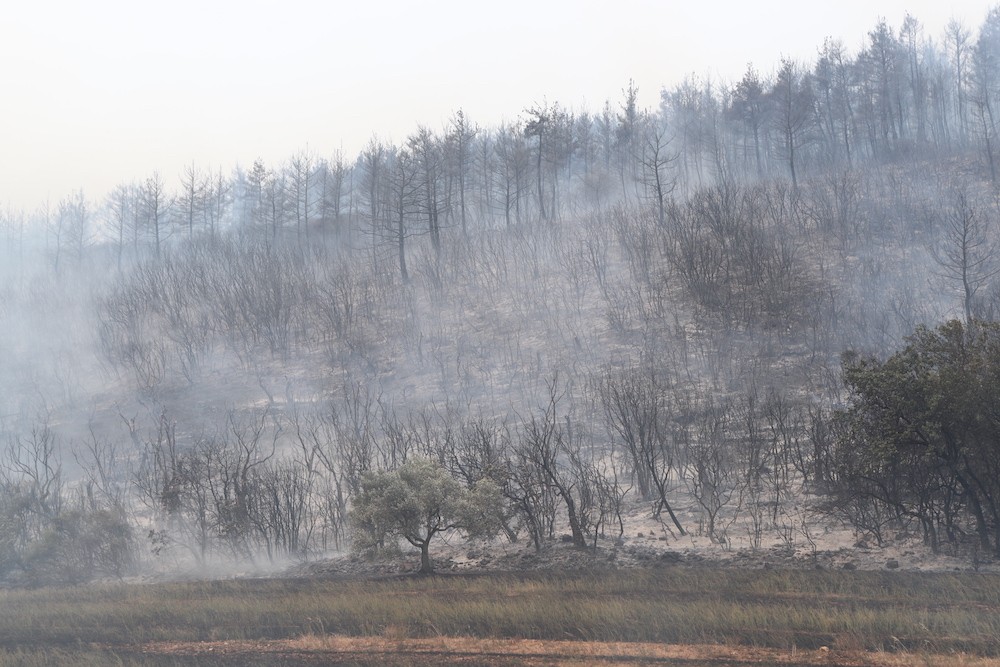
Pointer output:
104, 91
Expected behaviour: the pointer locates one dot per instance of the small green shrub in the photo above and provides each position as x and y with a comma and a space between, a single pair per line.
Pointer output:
78, 546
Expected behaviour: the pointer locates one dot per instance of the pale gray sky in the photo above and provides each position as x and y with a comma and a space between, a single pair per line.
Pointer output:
104, 91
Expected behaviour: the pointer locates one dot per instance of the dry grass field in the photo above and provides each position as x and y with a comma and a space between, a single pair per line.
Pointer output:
670, 615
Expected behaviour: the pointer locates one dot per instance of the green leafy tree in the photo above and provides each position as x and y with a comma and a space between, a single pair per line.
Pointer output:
418, 501
920, 439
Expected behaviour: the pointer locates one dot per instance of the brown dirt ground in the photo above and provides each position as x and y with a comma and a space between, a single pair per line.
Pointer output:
388, 650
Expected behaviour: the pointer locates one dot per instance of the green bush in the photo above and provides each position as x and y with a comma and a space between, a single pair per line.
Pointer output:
78, 546
418, 501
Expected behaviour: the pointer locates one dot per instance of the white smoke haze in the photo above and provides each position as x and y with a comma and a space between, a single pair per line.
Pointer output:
203, 369
112, 91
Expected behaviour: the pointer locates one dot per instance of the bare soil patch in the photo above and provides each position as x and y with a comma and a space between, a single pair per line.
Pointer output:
339, 650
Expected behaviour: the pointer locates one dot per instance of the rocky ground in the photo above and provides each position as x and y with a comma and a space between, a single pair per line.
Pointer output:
635, 553
646, 542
